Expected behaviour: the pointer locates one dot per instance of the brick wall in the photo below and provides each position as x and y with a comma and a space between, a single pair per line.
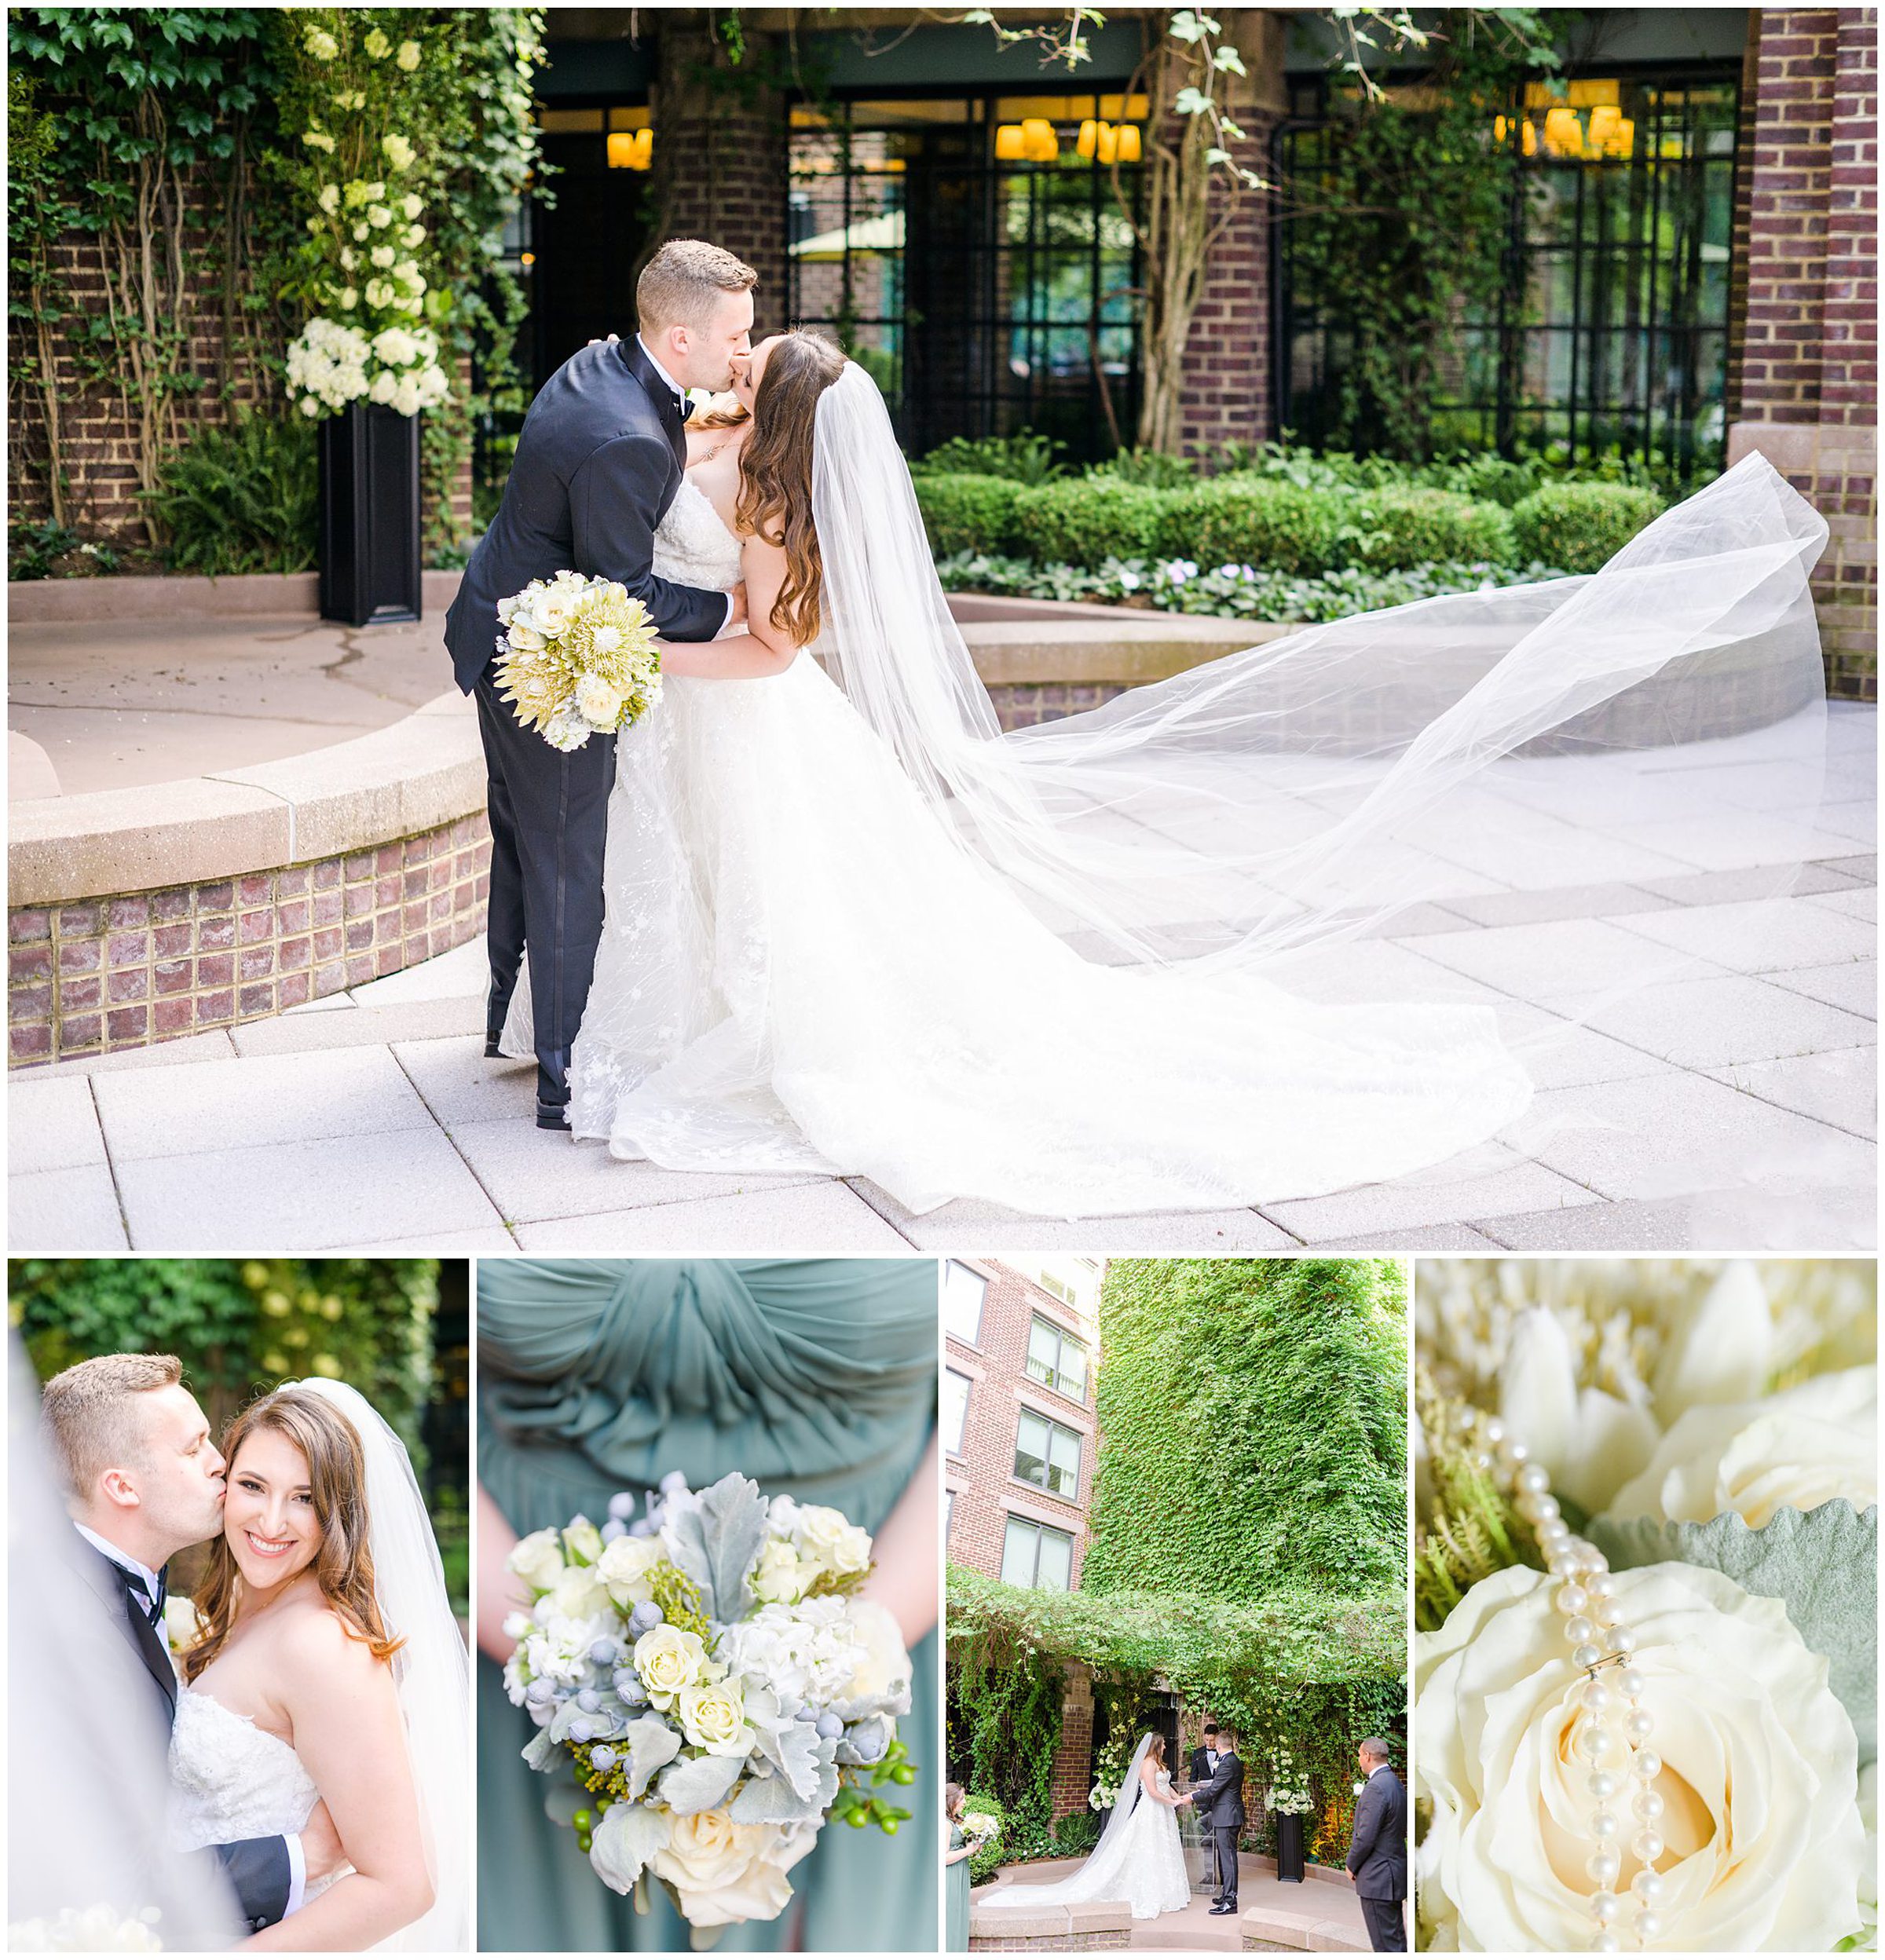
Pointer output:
720, 157
1803, 378
1074, 1754
980, 1476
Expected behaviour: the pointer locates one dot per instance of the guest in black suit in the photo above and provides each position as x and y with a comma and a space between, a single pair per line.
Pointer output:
1203, 1765
598, 463
146, 1481
1378, 1850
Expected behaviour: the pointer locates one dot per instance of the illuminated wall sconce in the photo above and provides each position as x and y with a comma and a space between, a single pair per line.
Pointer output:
1041, 145
1108, 143
631, 149
1011, 145
1128, 143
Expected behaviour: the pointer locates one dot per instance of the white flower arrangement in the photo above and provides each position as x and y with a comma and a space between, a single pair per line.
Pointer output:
331, 364
578, 657
978, 1829
716, 1732
99, 1928
1288, 1797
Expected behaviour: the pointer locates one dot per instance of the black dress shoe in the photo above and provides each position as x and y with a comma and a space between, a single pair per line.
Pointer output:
491, 1039
1223, 1911
552, 1116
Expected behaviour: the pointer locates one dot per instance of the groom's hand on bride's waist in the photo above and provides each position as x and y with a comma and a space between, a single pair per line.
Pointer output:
736, 613
321, 1850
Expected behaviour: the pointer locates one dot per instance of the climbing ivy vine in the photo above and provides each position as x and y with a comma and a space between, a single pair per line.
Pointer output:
1254, 1413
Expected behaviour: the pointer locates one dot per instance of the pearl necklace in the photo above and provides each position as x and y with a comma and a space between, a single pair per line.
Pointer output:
1599, 1641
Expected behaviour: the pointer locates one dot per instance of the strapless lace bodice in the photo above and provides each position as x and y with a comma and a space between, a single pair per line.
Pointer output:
230, 1779
692, 546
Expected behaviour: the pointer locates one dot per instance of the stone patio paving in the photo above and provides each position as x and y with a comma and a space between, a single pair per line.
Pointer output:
1734, 1107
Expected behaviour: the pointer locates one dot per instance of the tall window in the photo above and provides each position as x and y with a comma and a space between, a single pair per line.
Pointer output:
962, 1294
1070, 1279
1034, 1554
955, 1408
1611, 326
1047, 1454
1056, 1357
988, 286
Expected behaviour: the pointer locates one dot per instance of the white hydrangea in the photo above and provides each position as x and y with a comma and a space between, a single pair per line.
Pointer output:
813, 1649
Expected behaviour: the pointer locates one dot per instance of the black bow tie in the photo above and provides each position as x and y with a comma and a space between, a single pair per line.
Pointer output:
138, 1589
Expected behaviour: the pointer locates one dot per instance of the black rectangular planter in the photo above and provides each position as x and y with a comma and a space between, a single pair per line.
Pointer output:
1289, 1849
369, 516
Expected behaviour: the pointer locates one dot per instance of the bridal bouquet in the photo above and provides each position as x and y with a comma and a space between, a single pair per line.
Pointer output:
578, 657
1669, 1737
979, 1827
719, 1689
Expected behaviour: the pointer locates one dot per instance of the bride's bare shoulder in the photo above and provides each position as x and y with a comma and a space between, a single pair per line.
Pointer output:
324, 1649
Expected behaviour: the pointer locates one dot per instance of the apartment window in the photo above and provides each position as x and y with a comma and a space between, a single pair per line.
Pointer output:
1057, 1359
1047, 1455
955, 1408
962, 1295
1033, 1554
1070, 1281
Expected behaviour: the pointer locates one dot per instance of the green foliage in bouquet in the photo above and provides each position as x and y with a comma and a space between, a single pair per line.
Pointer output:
1469, 1531
1293, 1369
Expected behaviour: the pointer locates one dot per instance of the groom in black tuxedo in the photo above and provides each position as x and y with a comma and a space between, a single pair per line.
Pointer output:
1377, 1849
1220, 1804
598, 463
146, 1481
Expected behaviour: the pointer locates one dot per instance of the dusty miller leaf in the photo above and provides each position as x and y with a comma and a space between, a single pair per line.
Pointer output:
717, 1535
1822, 1564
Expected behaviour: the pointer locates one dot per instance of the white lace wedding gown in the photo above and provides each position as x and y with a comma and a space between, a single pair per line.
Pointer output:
1143, 1867
800, 971
230, 1780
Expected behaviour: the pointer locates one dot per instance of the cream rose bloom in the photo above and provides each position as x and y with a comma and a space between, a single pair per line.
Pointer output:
669, 1659
538, 1560
1796, 1449
724, 1871
829, 1539
713, 1717
1765, 1843
626, 1562
778, 1579
579, 1593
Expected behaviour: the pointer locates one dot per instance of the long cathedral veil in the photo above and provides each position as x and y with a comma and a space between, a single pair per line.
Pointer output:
1071, 1890
1568, 733
431, 1671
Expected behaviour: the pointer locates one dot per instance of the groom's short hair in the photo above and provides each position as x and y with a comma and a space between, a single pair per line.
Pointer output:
683, 283
88, 1416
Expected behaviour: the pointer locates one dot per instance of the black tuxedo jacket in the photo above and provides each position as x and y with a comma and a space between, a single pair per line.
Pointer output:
597, 465
1378, 1850
257, 1868
1200, 1766
1220, 1799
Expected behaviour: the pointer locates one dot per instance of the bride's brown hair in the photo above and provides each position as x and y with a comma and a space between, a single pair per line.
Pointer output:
337, 1479
1156, 1751
775, 472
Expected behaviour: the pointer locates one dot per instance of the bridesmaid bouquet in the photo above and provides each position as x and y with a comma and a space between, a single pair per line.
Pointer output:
578, 657
718, 1687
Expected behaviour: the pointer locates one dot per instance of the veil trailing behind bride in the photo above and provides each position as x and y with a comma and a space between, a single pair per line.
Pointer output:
1094, 966
1139, 1859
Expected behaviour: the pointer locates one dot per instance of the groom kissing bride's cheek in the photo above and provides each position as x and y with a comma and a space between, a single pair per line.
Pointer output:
311, 1789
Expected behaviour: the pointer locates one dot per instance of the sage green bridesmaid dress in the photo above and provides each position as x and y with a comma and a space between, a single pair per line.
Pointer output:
955, 1879
815, 1377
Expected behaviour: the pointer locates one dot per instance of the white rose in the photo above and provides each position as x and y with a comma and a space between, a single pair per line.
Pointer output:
625, 1564
828, 1538
582, 1540
526, 639
885, 1668
1764, 1845
778, 1579
669, 1659
713, 1717
1802, 1447
596, 702
579, 1594
538, 1560
724, 1872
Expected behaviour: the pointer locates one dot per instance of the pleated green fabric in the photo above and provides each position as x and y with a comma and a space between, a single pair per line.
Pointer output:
814, 1377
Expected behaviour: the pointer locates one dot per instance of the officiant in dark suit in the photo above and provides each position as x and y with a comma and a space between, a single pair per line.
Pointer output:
1377, 1849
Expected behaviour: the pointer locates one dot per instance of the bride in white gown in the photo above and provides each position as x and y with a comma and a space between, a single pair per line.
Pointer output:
851, 927
337, 1629
1139, 1859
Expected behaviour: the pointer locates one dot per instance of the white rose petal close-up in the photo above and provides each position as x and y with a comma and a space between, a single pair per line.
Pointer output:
1764, 1845
1801, 1448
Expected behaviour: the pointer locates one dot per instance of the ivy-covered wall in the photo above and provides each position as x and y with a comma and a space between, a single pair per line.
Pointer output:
1254, 1418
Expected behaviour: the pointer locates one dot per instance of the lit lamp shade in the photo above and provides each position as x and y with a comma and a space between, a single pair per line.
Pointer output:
1010, 144
1088, 144
1623, 138
1528, 136
1042, 146
1128, 134
631, 149
1604, 120
1564, 134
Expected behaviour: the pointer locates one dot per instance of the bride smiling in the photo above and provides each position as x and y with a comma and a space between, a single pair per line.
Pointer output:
325, 1668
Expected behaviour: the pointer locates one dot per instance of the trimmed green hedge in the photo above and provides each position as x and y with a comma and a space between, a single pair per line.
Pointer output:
1277, 526
1579, 525
962, 513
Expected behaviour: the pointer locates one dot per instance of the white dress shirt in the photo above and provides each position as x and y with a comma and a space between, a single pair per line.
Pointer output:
680, 394
298, 1863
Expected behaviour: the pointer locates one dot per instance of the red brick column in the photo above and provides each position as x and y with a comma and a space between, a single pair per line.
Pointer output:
1074, 1758
1803, 384
719, 144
